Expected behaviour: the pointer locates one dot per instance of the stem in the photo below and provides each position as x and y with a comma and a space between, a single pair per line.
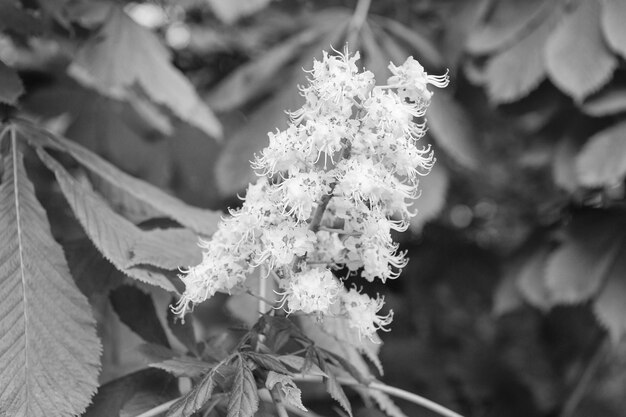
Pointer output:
358, 19
414, 398
262, 295
396, 392
321, 208
584, 379
262, 300
278, 402
159, 409
264, 396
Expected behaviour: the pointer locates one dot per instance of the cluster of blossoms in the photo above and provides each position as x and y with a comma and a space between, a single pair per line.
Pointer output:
332, 187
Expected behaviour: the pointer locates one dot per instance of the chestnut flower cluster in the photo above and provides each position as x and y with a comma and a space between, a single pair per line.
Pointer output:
332, 187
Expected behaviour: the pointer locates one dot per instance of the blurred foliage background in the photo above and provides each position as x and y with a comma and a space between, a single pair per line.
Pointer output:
514, 301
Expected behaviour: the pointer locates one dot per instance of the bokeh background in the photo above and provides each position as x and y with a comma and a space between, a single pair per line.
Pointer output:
514, 300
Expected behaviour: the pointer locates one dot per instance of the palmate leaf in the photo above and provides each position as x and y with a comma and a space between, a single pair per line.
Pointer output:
244, 398
196, 398
136, 192
577, 58
610, 100
519, 69
613, 18
118, 394
588, 258
609, 307
602, 161
49, 351
233, 171
112, 234
258, 76
505, 23
123, 54
229, 11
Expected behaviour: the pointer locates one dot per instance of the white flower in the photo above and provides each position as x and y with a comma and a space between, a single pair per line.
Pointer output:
362, 312
301, 191
411, 80
351, 150
283, 242
311, 291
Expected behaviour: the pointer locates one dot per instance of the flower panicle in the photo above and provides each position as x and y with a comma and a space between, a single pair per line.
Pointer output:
332, 186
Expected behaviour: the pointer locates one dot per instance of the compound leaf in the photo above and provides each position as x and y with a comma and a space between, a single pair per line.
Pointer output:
124, 54
112, 234
49, 351
519, 69
506, 23
135, 191
587, 259
577, 58
609, 306
244, 398
613, 18
183, 366
196, 398
602, 161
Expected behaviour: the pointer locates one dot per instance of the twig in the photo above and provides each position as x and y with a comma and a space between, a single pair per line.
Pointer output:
585, 378
159, 409
358, 19
265, 396
278, 402
396, 392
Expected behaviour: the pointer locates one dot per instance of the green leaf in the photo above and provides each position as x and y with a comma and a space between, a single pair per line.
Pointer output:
183, 366
423, 48
519, 69
233, 170
124, 54
183, 249
613, 18
609, 307
229, 11
113, 396
610, 100
135, 191
298, 364
563, 165
93, 274
244, 398
196, 398
292, 394
136, 310
577, 58
49, 351
258, 76
113, 235
268, 362
531, 280
506, 23
334, 388
453, 130
602, 161
587, 258
10, 85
